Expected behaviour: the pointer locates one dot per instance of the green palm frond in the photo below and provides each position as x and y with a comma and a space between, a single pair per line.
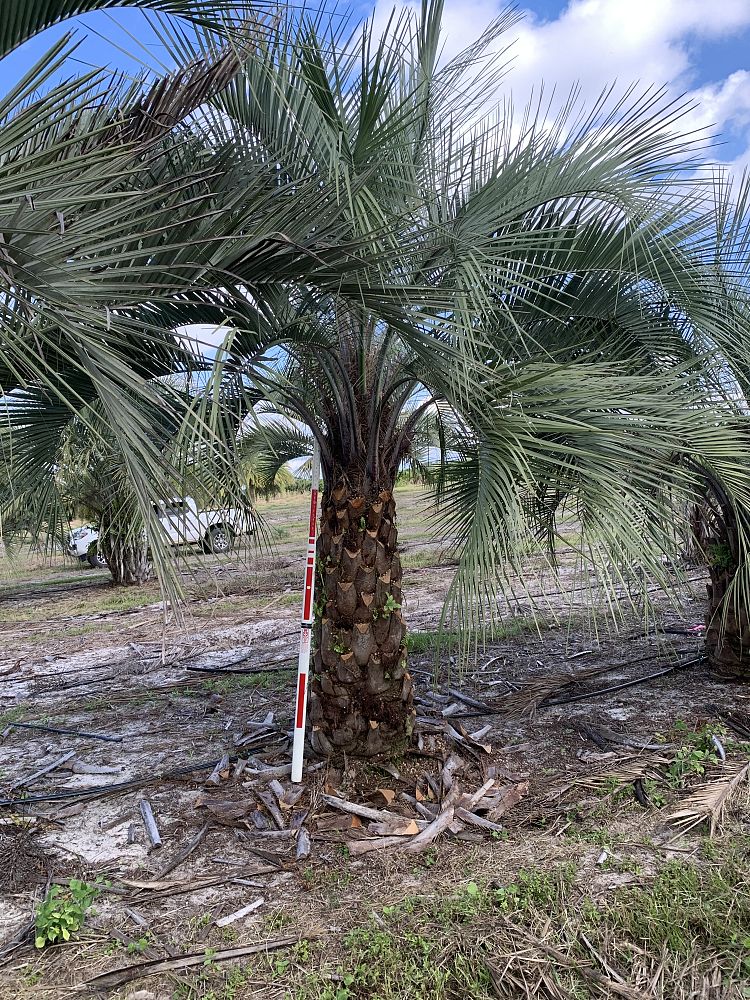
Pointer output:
266, 447
598, 448
548, 301
22, 19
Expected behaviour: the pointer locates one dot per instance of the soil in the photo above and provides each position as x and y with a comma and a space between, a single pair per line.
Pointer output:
136, 681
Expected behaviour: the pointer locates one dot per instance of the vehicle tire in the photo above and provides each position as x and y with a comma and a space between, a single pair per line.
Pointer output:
97, 561
220, 540
83, 559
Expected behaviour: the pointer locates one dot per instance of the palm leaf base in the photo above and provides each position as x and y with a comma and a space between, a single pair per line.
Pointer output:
361, 695
727, 638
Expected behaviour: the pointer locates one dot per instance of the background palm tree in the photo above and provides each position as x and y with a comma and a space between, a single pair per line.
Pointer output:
718, 526
119, 224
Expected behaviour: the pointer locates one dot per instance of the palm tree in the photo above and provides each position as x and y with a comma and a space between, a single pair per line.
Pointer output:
385, 250
85, 215
556, 303
718, 525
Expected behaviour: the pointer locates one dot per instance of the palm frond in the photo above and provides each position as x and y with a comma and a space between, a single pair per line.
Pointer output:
22, 19
709, 801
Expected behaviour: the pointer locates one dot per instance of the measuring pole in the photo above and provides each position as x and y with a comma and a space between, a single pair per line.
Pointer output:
303, 668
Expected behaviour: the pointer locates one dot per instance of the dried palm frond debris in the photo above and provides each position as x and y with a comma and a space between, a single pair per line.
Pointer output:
23, 861
708, 802
601, 736
527, 699
436, 804
738, 721
530, 964
120, 977
540, 692
614, 778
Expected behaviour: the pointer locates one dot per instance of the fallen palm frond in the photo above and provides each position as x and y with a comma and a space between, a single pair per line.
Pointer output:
528, 699
119, 977
601, 736
526, 950
739, 722
708, 802
629, 769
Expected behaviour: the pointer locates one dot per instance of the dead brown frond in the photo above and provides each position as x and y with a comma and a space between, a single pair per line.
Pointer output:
23, 862
708, 802
626, 770
529, 964
739, 722
528, 699
171, 99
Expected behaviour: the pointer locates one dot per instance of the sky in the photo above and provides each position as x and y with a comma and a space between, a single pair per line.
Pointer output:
699, 48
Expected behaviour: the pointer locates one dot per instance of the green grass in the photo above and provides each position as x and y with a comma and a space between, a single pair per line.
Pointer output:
446, 946
430, 641
14, 714
236, 682
99, 598
425, 558
8, 582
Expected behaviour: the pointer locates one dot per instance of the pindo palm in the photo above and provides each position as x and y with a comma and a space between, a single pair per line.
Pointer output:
390, 247
554, 301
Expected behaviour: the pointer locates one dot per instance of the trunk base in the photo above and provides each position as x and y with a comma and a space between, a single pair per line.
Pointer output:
727, 648
129, 565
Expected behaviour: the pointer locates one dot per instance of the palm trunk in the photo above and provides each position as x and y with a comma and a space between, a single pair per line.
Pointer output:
361, 698
127, 559
728, 641
716, 531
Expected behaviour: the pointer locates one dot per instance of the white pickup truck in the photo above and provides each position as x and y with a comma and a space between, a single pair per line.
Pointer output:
183, 523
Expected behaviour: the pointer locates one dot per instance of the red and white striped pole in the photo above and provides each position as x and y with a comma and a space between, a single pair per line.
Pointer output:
303, 668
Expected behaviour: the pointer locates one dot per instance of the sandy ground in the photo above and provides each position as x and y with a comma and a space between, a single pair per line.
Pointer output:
141, 708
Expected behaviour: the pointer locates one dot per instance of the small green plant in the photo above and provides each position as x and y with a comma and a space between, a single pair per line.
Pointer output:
301, 952
391, 605
654, 794
720, 557
138, 947
63, 911
535, 888
337, 646
31, 976
429, 857
696, 754
277, 921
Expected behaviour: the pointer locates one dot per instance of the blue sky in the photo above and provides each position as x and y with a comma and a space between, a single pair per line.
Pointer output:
698, 47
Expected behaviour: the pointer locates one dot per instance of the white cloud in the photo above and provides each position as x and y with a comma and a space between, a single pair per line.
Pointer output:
201, 339
597, 43
725, 107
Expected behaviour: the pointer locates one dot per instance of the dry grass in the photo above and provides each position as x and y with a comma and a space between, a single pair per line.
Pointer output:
509, 920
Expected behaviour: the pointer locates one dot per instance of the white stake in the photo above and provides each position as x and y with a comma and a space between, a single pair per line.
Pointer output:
300, 714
